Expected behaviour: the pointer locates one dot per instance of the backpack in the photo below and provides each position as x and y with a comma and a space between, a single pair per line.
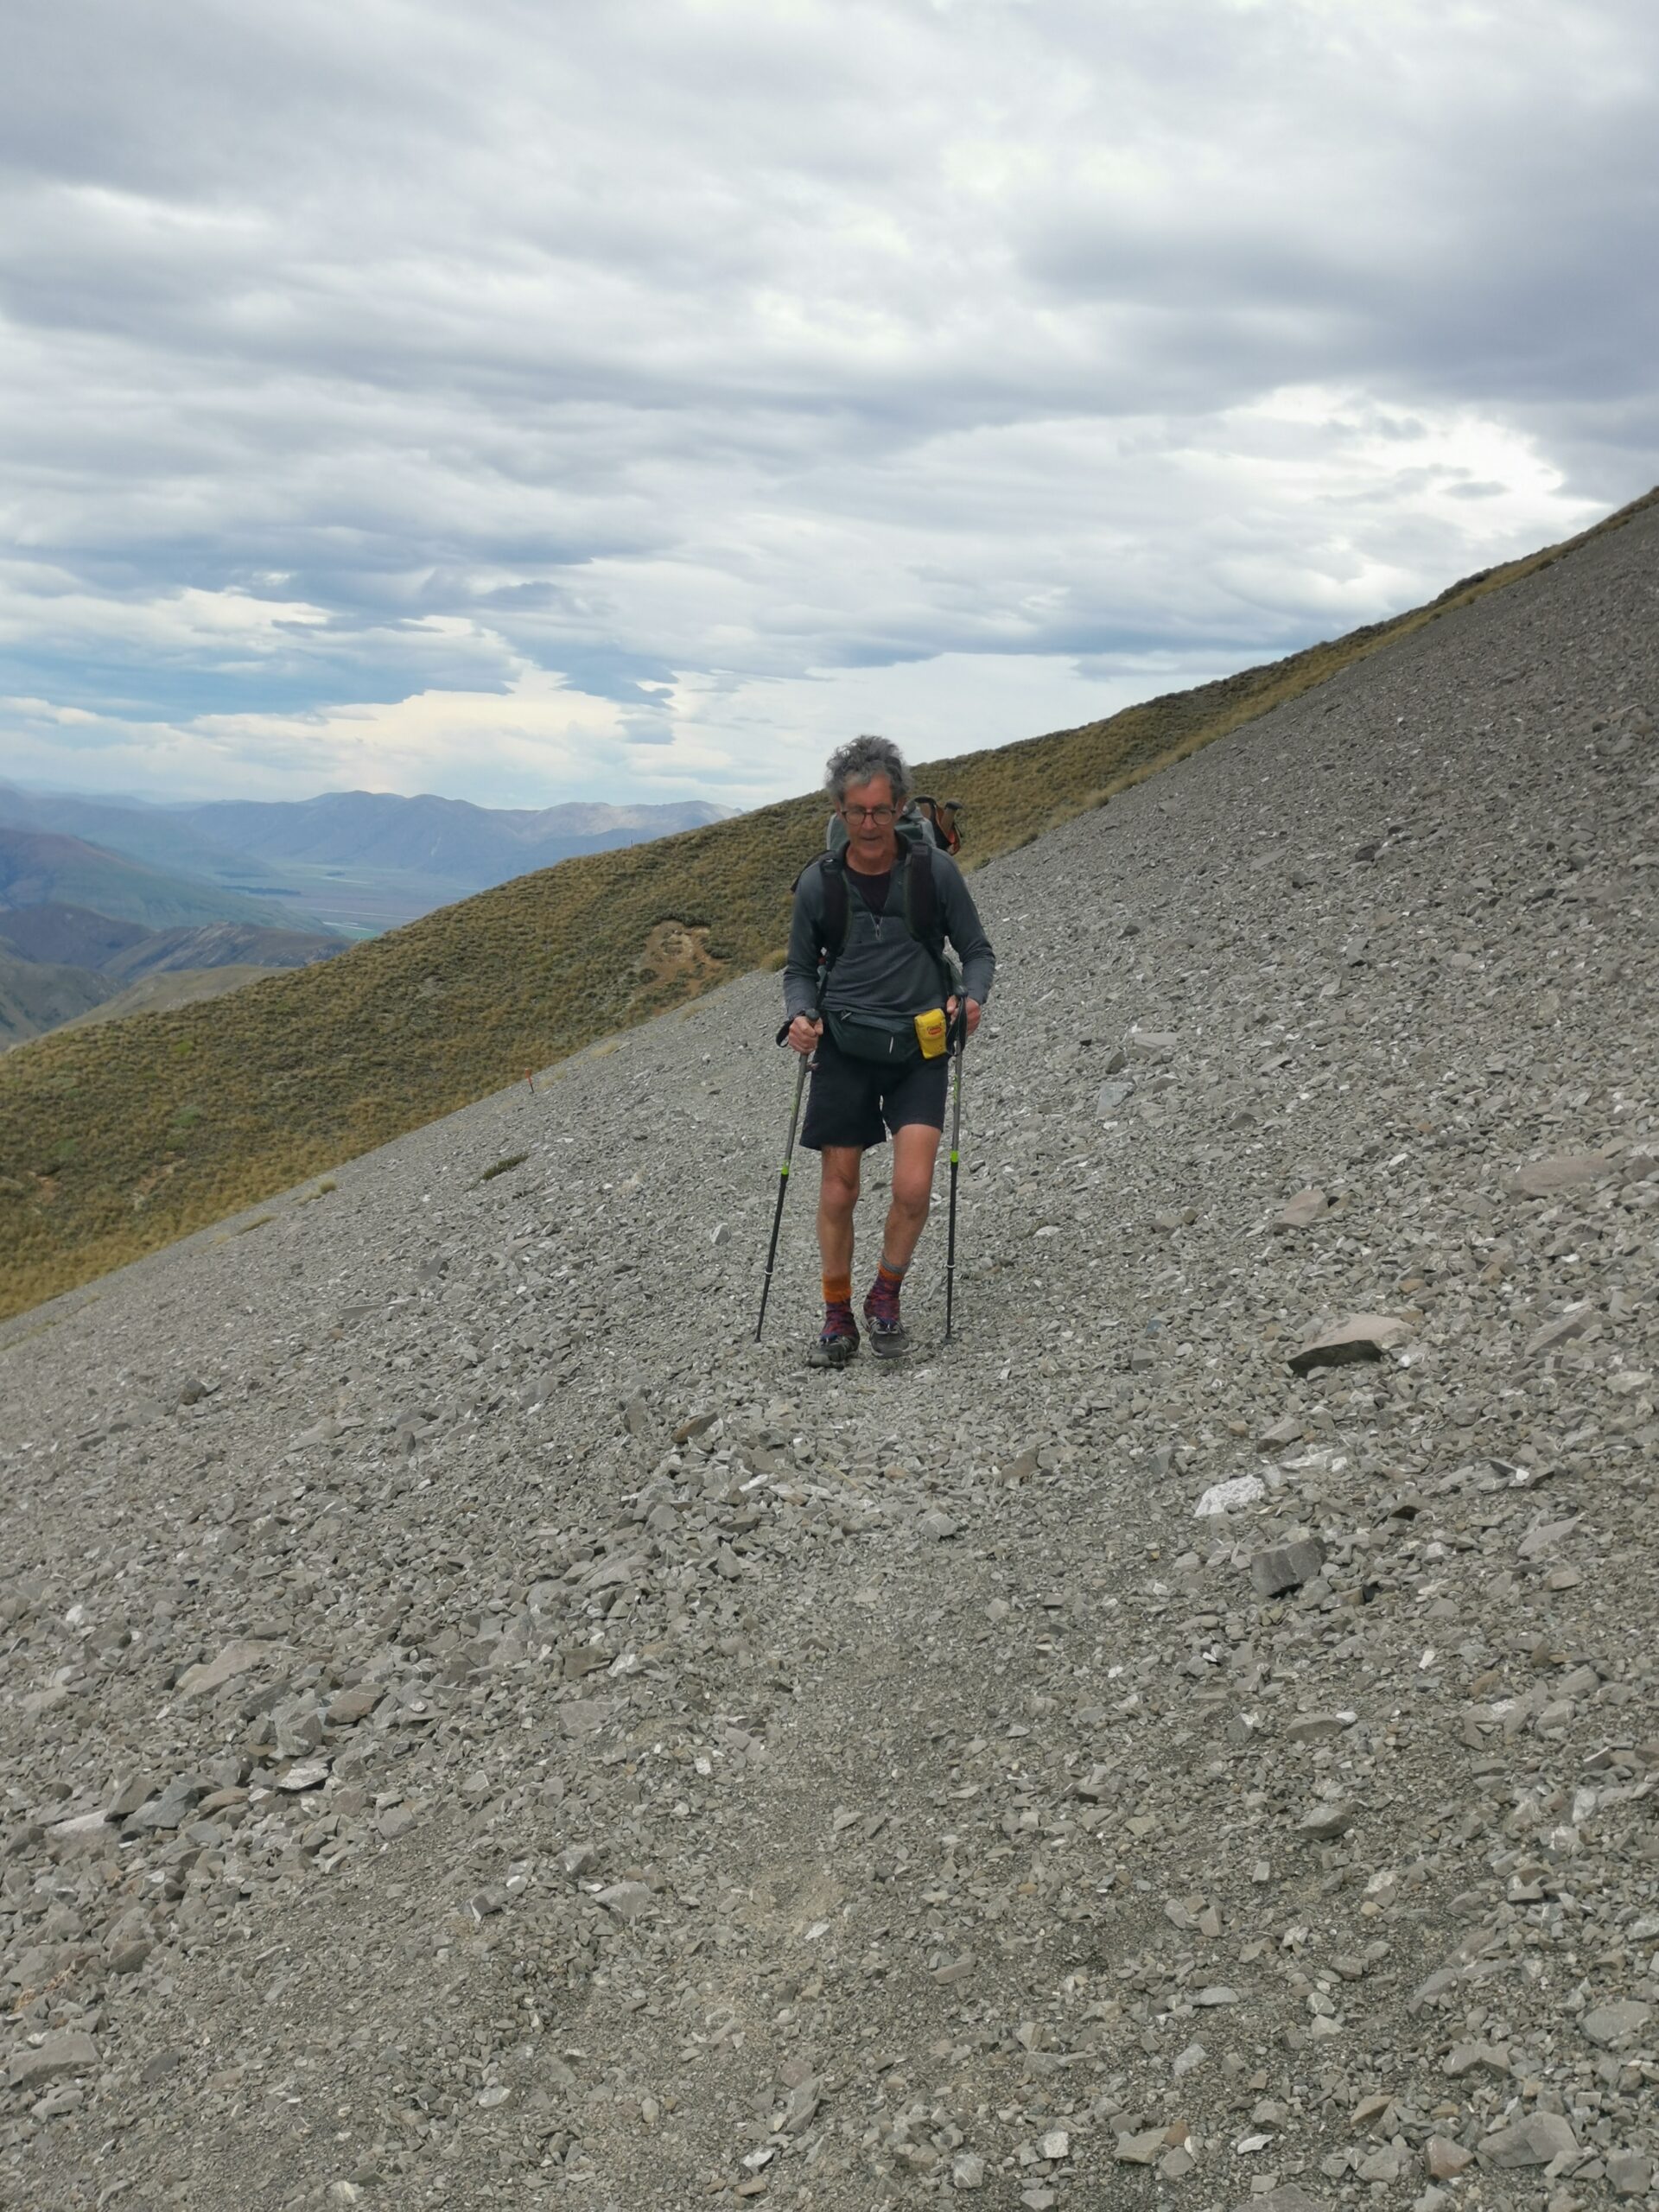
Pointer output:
940, 815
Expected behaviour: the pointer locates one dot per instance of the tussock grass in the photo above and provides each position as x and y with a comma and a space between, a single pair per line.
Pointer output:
116, 1141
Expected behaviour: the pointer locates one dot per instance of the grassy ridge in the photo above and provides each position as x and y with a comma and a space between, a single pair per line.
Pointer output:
117, 1140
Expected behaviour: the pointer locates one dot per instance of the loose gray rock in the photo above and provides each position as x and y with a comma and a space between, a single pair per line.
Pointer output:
1319, 1728
1230, 1496
84, 1830
1537, 2140
1474, 2057
1282, 1432
1286, 1566
169, 1808
1545, 1178
1566, 1328
68, 2051
1155, 1045
1303, 1211
1361, 1336
235, 1659
627, 1900
1615, 2027
1546, 1538
1444, 2159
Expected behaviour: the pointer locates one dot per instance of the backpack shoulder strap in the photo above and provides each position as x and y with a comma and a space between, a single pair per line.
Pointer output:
832, 871
922, 900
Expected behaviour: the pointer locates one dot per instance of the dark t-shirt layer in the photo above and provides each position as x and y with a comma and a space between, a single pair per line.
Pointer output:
881, 969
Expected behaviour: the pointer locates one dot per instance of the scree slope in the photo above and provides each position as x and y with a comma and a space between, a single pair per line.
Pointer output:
476, 1731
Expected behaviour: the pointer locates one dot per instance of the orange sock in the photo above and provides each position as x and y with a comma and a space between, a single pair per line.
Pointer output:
837, 1290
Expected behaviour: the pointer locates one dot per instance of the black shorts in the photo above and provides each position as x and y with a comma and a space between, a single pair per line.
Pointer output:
856, 1102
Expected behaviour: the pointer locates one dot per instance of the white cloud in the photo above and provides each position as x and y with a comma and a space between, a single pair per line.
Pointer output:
208, 625
496, 747
367, 369
765, 737
739, 741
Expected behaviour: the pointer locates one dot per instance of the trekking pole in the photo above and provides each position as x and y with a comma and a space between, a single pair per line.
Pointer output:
783, 1187
956, 1160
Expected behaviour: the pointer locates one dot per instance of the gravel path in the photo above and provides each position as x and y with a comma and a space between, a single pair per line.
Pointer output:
476, 1731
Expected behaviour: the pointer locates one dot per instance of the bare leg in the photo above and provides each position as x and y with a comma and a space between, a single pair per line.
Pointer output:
837, 1196
915, 1147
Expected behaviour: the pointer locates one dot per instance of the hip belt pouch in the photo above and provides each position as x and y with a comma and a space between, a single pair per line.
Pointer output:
932, 1033
889, 1039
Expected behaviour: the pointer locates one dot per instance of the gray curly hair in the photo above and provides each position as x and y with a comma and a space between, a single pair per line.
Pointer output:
863, 758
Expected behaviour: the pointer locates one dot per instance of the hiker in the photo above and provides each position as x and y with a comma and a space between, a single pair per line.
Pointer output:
865, 959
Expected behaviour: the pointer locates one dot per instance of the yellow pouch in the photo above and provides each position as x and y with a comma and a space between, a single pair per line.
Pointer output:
931, 1033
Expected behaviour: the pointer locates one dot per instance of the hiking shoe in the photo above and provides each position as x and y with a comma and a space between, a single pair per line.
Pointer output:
837, 1341
889, 1338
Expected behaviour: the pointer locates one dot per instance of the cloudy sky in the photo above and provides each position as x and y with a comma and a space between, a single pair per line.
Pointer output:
630, 398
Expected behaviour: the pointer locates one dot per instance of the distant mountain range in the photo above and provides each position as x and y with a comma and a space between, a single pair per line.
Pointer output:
479, 845
157, 836
360, 861
101, 897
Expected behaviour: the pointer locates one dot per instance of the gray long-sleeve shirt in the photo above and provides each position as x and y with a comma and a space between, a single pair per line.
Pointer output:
881, 969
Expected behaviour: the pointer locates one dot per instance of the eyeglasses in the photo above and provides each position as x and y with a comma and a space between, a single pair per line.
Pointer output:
880, 815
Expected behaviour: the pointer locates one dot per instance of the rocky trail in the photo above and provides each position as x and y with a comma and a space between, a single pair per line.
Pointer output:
476, 1731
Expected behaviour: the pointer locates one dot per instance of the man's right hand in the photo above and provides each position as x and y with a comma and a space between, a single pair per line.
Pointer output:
804, 1033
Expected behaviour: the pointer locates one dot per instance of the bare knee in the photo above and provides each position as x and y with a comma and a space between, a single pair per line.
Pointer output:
911, 1192
838, 1190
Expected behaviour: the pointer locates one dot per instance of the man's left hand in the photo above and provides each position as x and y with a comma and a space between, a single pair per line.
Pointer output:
973, 1012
